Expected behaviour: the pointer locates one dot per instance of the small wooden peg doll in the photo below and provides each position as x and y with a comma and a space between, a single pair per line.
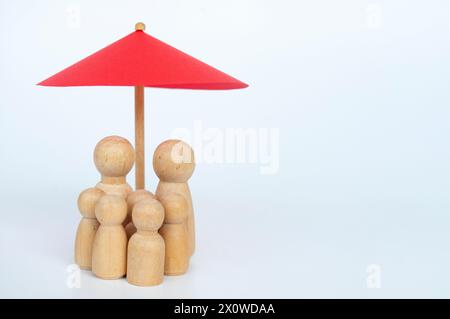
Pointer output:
173, 162
175, 234
114, 157
109, 252
87, 228
145, 265
132, 199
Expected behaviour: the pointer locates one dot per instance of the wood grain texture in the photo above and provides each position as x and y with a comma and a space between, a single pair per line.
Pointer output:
139, 134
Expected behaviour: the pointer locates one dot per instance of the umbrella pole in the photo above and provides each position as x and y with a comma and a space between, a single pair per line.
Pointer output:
139, 136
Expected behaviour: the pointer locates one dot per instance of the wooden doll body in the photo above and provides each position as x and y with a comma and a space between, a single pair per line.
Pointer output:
146, 248
109, 252
87, 228
175, 234
182, 189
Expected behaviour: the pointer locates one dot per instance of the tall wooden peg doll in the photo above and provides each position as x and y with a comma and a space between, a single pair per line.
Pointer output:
173, 162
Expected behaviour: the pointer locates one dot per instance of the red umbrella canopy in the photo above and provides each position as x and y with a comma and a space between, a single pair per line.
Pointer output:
142, 60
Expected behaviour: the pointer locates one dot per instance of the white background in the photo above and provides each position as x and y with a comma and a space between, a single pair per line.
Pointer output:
358, 90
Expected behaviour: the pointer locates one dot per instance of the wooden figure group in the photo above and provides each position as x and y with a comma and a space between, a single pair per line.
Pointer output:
135, 233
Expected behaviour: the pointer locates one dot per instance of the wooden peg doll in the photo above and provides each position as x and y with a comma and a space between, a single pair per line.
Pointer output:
145, 264
173, 162
109, 252
114, 157
87, 228
175, 234
132, 199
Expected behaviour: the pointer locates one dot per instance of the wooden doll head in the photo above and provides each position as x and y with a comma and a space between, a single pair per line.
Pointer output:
148, 215
114, 156
111, 210
174, 161
137, 196
87, 201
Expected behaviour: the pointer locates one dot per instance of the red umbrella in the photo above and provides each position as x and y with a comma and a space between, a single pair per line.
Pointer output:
141, 60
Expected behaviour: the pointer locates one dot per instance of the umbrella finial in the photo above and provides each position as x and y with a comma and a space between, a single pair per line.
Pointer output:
140, 26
